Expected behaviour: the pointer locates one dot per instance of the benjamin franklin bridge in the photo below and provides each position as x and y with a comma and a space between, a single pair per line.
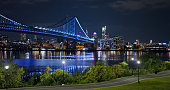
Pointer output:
68, 28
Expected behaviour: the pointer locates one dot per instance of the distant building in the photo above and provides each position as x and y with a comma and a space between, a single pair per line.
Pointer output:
137, 42
116, 42
156, 47
3, 39
107, 36
104, 32
150, 41
107, 43
23, 36
95, 37
169, 44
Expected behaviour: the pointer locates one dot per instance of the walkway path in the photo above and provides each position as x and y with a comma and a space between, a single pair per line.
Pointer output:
116, 82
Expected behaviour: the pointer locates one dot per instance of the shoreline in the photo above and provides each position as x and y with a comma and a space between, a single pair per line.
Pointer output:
91, 50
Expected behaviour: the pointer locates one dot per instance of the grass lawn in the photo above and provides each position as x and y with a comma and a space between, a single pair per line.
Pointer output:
162, 83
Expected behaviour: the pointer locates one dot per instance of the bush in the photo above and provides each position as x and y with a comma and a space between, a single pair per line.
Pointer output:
151, 62
109, 74
118, 70
47, 80
2, 78
58, 77
127, 72
96, 73
165, 65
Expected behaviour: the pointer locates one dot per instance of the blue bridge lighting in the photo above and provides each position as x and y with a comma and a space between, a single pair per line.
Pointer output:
70, 29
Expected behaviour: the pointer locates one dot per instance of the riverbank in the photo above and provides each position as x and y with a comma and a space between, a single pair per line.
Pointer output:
88, 50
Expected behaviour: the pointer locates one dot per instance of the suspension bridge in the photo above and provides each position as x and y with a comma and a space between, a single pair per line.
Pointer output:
70, 28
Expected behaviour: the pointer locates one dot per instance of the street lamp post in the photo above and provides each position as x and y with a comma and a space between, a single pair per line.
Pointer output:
63, 62
6, 76
132, 64
138, 62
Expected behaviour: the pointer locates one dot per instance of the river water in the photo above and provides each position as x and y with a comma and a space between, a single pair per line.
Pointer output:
76, 61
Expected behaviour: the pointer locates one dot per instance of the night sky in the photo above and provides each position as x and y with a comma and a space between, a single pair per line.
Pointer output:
132, 19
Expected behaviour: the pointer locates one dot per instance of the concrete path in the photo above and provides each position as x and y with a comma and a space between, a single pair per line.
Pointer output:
116, 82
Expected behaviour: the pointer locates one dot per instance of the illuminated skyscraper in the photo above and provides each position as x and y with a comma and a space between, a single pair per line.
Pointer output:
150, 41
23, 36
104, 32
118, 42
107, 36
137, 42
94, 35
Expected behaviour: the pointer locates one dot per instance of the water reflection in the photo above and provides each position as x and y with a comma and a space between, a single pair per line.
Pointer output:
75, 61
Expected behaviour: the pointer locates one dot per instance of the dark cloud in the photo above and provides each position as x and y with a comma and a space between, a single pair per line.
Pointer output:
22, 1
139, 4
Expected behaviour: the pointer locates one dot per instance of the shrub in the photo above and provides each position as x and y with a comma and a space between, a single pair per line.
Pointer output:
151, 62
58, 77
127, 72
165, 65
2, 78
47, 80
118, 70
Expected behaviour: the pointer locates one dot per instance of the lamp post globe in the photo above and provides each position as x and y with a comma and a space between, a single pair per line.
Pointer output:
132, 59
138, 62
63, 62
6, 67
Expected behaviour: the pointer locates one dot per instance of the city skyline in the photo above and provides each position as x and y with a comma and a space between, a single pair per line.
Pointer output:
143, 20
84, 44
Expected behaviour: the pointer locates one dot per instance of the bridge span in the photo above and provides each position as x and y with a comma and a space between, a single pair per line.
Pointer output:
70, 28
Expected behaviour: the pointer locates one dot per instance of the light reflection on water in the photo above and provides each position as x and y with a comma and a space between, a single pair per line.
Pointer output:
75, 61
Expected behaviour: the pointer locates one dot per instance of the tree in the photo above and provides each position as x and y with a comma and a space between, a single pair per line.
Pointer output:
95, 74
58, 77
47, 69
151, 62
47, 80
109, 74
12, 76
118, 70
2, 78
124, 64
165, 65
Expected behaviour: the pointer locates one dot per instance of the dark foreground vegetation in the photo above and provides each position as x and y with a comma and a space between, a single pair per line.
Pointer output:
16, 77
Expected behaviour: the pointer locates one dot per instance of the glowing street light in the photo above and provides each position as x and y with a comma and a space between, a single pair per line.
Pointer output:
138, 62
7, 67
132, 59
63, 62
